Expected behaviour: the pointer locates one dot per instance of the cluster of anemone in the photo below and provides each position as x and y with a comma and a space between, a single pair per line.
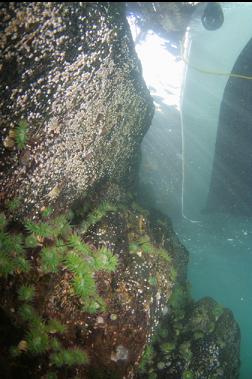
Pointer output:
68, 357
69, 250
143, 244
12, 253
56, 247
97, 215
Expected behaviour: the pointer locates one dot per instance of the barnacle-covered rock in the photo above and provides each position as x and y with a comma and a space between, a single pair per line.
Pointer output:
129, 300
74, 106
195, 340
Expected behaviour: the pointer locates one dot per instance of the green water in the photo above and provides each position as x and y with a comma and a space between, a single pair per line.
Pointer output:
220, 264
220, 245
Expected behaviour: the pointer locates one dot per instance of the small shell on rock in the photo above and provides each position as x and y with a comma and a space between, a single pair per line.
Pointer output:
23, 345
54, 193
8, 142
121, 354
100, 320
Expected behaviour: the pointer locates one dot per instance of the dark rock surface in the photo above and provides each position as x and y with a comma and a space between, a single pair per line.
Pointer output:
195, 340
70, 76
115, 335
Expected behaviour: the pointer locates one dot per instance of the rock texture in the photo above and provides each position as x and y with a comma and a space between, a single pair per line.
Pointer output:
74, 106
115, 335
195, 340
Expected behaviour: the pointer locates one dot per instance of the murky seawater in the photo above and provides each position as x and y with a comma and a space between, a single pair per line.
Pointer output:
220, 249
220, 245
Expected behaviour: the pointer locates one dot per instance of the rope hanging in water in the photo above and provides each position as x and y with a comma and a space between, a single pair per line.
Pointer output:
212, 72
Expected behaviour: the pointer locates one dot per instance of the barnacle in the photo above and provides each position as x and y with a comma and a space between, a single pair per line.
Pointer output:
8, 142
54, 193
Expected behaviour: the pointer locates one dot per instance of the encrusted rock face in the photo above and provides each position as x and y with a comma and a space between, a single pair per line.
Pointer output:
135, 297
74, 106
195, 340
114, 334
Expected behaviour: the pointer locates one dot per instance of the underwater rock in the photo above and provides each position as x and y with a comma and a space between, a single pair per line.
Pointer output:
64, 321
196, 340
102, 296
74, 106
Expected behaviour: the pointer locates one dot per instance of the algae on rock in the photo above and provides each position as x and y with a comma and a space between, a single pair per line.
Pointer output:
91, 306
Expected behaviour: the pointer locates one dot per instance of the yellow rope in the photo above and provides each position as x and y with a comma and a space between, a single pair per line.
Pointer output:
210, 72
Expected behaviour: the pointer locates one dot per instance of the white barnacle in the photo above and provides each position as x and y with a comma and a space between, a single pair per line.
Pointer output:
121, 354
54, 193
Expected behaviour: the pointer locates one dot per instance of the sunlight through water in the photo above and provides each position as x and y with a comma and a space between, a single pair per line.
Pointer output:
220, 244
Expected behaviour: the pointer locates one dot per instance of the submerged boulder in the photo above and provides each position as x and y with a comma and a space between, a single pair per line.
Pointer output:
74, 107
104, 295
86, 300
195, 340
